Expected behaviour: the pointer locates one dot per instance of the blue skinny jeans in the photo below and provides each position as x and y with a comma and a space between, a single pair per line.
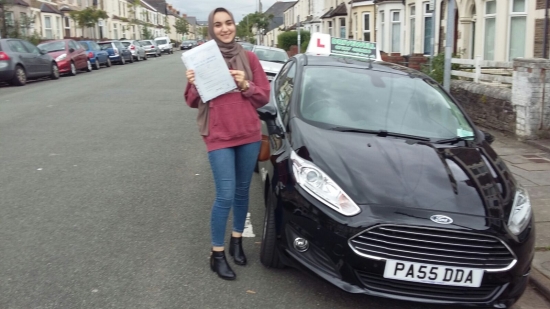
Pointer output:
232, 169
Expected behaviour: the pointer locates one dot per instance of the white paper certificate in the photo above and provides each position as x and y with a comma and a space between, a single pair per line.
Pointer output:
212, 77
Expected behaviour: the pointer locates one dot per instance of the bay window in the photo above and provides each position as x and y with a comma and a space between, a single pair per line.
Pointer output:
395, 31
518, 28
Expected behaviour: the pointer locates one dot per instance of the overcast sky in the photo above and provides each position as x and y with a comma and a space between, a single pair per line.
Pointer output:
201, 8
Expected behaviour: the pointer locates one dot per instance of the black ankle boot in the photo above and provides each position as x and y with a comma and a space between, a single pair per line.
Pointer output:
236, 250
219, 264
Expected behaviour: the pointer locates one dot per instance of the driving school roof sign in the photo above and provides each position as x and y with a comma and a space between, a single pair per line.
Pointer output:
324, 44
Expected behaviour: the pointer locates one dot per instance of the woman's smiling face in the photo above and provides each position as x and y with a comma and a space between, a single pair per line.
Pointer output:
224, 27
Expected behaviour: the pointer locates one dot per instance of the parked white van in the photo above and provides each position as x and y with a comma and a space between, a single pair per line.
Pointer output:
164, 44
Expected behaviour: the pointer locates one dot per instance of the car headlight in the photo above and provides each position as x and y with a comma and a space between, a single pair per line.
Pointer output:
61, 57
521, 212
320, 186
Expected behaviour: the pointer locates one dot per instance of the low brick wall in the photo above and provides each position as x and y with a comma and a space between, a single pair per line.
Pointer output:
487, 106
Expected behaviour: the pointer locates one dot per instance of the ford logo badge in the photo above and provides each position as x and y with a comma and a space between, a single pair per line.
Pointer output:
441, 219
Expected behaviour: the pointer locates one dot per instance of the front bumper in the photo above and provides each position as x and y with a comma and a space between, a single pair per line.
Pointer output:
64, 66
331, 257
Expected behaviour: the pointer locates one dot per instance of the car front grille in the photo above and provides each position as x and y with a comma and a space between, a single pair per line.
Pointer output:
433, 246
380, 284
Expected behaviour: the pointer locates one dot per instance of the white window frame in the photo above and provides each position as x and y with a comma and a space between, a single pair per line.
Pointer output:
22, 17
393, 48
340, 27
356, 34
58, 26
427, 13
412, 27
485, 18
382, 24
366, 27
115, 31
46, 29
10, 19
512, 15
329, 26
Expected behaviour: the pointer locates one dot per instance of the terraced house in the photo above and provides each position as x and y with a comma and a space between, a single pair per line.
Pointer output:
51, 19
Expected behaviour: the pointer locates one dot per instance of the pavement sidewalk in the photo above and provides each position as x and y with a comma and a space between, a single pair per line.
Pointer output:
529, 161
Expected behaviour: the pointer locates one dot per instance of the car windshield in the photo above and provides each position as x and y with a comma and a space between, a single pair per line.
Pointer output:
187, 42
104, 46
52, 46
146, 42
362, 99
161, 41
126, 44
272, 55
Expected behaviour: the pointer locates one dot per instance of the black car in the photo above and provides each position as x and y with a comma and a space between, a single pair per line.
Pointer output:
379, 183
190, 44
20, 60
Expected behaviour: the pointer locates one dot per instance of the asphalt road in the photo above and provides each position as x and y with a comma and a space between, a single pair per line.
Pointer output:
105, 195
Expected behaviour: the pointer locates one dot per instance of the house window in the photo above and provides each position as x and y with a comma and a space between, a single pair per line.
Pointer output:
48, 27
115, 31
428, 30
382, 17
490, 28
67, 26
342, 28
518, 25
58, 26
24, 21
366, 27
10, 21
330, 27
413, 27
395, 32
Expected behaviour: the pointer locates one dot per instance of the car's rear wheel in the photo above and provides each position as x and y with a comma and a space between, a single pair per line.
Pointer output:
88, 66
122, 61
73, 69
55, 71
20, 76
269, 256
97, 66
145, 57
131, 59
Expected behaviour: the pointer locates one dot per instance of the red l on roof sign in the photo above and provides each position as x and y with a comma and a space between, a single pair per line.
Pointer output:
319, 44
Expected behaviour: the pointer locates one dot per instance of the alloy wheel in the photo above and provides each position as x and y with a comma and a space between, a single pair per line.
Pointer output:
88, 66
55, 71
73, 69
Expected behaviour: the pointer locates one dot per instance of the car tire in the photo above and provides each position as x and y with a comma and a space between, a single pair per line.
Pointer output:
97, 66
269, 256
55, 71
122, 61
145, 57
138, 59
73, 69
19, 76
131, 59
108, 63
88, 66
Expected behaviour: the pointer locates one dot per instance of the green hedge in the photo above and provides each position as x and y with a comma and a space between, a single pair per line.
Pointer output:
289, 38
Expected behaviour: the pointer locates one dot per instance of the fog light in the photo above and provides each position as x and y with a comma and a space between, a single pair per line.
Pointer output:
301, 244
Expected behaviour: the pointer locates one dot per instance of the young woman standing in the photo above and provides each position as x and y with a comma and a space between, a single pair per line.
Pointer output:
231, 130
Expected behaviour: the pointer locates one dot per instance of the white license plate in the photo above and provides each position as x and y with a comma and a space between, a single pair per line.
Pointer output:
433, 274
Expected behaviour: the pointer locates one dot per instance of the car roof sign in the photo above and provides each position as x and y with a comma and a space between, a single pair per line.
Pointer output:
322, 44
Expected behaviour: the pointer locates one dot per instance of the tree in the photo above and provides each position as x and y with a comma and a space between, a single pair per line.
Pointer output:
167, 28
4, 25
88, 17
260, 20
182, 26
286, 39
146, 33
204, 32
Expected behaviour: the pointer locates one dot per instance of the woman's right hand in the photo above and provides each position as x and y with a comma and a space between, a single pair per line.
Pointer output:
190, 76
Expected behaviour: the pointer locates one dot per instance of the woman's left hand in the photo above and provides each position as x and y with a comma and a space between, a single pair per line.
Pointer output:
238, 76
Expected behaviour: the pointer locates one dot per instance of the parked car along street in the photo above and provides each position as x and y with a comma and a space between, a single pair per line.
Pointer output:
117, 52
271, 59
151, 48
138, 52
399, 195
20, 60
69, 56
246, 45
96, 56
188, 44
164, 45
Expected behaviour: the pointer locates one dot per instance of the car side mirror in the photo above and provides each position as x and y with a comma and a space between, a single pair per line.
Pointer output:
488, 137
71, 50
42, 52
268, 113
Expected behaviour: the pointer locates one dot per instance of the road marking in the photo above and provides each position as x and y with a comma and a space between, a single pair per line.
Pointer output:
248, 232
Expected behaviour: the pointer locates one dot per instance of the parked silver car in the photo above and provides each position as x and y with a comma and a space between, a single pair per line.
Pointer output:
271, 59
151, 48
20, 60
135, 47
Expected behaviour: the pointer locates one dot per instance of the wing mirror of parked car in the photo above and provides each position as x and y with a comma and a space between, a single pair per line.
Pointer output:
71, 50
42, 52
488, 137
268, 114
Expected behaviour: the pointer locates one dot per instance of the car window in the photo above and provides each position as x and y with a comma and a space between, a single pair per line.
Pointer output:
105, 46
53, 46
126, 44
285, 87
94, 46
119, 45
84, 45
272, 55
30, 47
374, 100
73, 45
17, 46
161, 41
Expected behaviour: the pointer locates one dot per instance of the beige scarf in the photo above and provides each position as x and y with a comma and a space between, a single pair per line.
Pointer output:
236, 59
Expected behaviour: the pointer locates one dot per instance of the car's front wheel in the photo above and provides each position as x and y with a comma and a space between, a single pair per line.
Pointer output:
73, 69
122, 61
131, 59
269, 256
55, 71
108, 64
97, 66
